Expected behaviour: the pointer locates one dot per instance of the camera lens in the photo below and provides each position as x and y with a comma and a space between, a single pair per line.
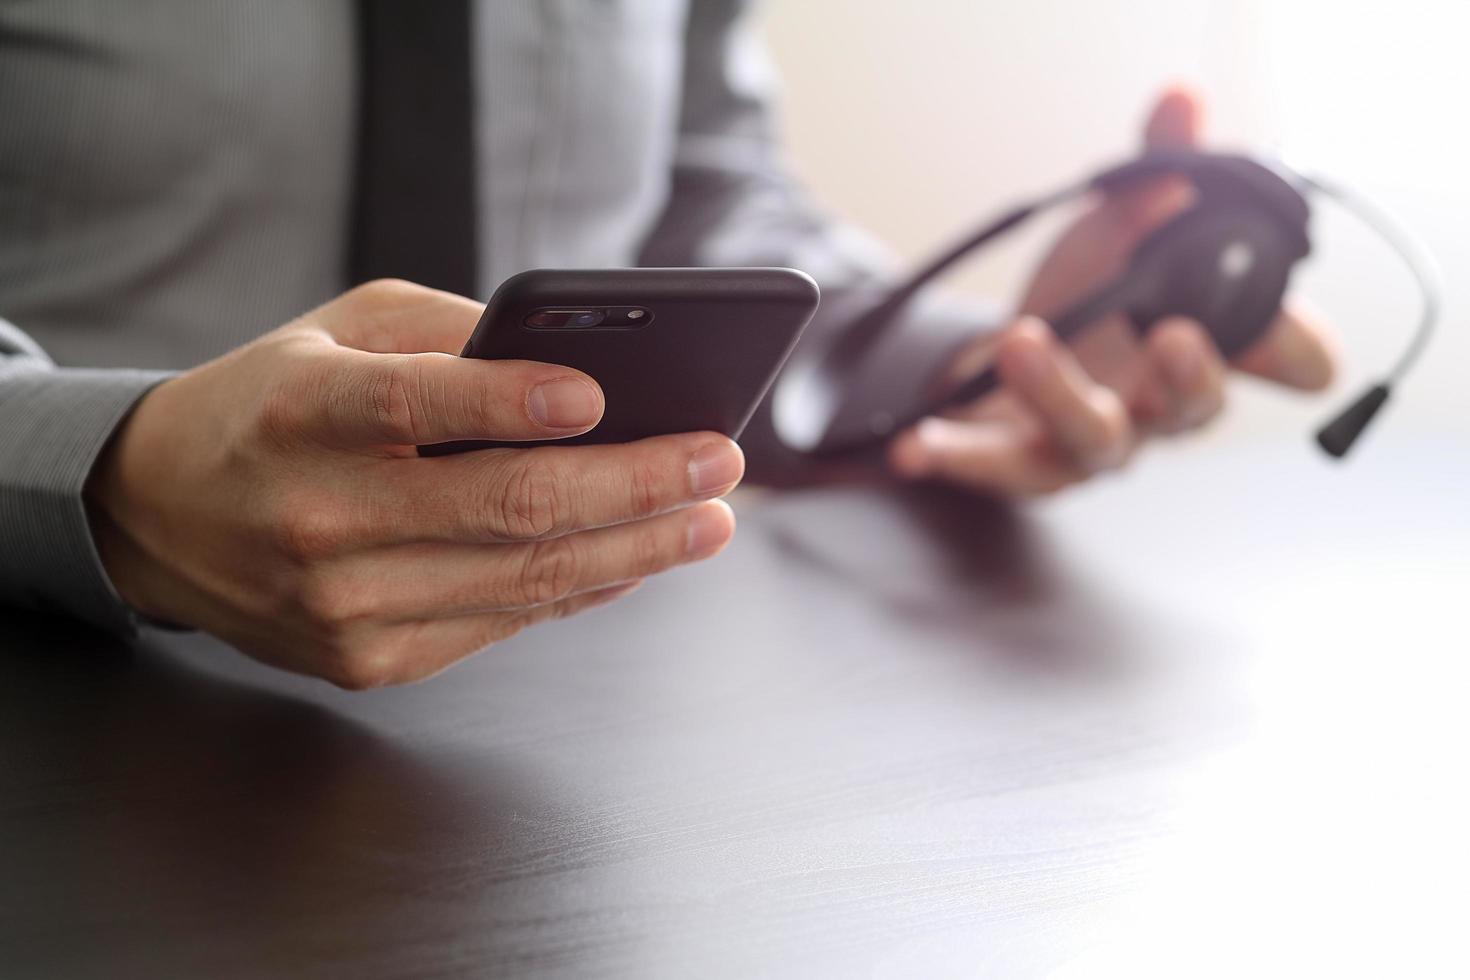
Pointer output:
565, 318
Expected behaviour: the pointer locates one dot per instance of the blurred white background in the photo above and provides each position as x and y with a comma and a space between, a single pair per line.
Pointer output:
919, 119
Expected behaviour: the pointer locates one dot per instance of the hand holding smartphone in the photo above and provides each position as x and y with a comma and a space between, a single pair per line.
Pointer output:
674, 350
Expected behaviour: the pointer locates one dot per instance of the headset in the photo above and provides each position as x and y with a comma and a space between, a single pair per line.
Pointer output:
1224, 261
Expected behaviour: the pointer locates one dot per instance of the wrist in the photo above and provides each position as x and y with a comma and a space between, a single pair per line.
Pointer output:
115, 501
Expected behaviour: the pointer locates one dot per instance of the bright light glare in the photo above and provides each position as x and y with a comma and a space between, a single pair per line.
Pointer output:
1376, 90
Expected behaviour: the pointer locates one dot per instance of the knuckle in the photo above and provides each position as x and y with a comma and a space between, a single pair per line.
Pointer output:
493, 406
549, 574
330, 600
276, 415
533, 499
280, 415
500, 627
645, 488
366, 667
305, 531
378, 291
653, 551
389, 399
505, 628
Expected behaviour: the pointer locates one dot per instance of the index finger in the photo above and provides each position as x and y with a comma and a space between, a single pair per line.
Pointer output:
390, 316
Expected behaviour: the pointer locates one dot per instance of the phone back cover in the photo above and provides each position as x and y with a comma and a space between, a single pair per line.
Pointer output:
715, 342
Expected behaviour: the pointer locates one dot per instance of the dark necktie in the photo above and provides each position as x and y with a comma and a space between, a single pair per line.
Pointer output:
415, 209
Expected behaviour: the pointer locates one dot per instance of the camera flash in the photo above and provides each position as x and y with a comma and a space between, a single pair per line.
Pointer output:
635, 314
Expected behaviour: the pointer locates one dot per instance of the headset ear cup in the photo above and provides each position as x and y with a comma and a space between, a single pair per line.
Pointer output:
1225, 267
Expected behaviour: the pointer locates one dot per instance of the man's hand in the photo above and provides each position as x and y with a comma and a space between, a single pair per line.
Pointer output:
1065, 414
274, 497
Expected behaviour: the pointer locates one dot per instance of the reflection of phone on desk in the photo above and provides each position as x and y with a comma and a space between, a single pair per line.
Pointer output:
675, 350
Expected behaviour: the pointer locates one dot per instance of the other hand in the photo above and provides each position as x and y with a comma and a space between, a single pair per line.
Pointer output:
1064, 414
274, 496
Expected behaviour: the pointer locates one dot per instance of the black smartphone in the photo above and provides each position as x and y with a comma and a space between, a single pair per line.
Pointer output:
675, 350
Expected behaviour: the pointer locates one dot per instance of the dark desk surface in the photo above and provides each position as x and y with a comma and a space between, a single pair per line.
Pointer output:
1210, 714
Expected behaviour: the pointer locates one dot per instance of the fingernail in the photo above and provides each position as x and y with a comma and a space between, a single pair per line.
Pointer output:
715, 468
569, 403
709, 529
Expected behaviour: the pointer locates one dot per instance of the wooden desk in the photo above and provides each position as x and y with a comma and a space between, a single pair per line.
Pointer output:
1208, 717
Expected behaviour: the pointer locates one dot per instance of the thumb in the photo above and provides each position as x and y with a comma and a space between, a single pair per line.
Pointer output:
1176, 122
352, 399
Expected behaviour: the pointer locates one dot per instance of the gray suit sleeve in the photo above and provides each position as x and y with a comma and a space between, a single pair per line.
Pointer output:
733, 201
53, 424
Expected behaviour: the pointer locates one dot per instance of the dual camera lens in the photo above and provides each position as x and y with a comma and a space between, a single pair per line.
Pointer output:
574, 319
564, 318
